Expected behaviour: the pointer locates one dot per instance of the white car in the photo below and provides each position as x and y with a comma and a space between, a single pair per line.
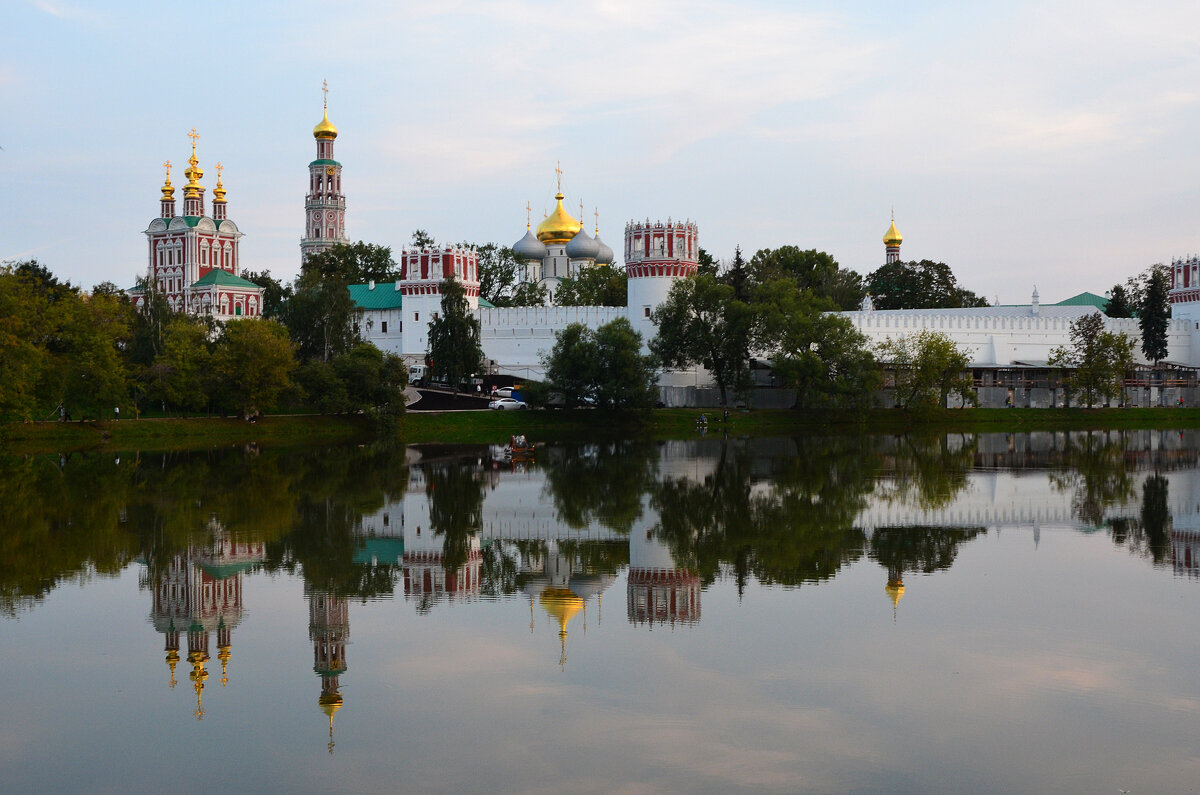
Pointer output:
507, 404
503, 392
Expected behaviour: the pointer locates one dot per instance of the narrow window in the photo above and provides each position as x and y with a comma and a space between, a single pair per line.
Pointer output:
416, 317
383, 327
645, 311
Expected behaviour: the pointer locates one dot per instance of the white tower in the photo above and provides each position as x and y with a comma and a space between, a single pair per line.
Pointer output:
421, 275
656, 255
325, 204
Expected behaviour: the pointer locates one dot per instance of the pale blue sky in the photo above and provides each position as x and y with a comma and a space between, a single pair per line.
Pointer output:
1021, 143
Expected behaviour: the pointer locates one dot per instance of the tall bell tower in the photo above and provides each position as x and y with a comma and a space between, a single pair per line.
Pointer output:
325, 204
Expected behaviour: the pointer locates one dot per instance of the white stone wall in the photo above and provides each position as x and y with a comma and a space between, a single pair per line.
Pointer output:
515, 338
371, 327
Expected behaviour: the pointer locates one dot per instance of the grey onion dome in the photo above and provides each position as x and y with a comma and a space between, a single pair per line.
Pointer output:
583, 246
530, 248
606, 255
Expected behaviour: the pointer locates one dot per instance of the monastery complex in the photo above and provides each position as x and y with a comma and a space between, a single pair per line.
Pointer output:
193, 259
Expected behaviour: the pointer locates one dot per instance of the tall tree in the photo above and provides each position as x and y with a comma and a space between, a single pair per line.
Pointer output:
275, 293
702, 322
23, 323
707, 263
352, 263
599, 285
918, 285
499, 273
811, 270
571, 363
253, 364
1119, 304
738, 276
928, 368
606, 364
814, 351
1152, 317
1098, 359
454, 334
422, 239
180, 376
320, 317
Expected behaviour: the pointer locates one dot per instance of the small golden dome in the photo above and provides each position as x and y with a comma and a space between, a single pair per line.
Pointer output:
561, 604
325, 129
895, 590
893, 236
559, 226
330, 703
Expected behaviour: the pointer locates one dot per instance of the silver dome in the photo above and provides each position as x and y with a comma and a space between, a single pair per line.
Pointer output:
583, 246
606, 255
530, 248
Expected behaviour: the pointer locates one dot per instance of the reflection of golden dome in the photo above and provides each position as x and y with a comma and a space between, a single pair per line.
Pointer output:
560, 604
172, 661
894, 590
893, 236
330, 703
559, 226
325, 129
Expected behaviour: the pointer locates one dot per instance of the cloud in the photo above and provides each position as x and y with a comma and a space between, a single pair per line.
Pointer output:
66, 12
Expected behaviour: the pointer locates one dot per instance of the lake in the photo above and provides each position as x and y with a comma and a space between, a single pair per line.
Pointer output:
922, 613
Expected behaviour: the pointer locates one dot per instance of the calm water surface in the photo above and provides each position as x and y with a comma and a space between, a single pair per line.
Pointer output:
965, 613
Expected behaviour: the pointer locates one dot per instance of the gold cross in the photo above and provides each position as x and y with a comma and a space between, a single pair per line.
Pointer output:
167, 166
597, 214
195, 136
219, 172
325, 91
581, 212
558, 171
528, 210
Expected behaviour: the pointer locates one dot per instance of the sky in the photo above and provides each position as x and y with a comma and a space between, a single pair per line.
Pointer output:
1024, 144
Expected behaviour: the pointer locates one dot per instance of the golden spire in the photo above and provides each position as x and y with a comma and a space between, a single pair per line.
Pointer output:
528, 210
168, 190
561, 604
193, 172
893, 237
224, 655
219, 191
895, 590
330, 703
172, 661
325, 129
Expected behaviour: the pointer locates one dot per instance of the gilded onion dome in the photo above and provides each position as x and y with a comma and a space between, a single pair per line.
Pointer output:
530, 248
559, 226
893, 236
325, 129
606, 255
168, 190
583, 246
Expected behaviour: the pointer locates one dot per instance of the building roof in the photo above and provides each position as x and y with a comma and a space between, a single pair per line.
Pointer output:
225, 279
486, 304
1085, 299
383, 295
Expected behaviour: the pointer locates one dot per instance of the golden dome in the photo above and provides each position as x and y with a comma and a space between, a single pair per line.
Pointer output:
325, 129
330, 703
559, 226
895, 590
893, 236
219, 191
561, 604
168, 193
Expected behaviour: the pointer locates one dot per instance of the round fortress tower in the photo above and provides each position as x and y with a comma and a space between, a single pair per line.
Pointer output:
656, 255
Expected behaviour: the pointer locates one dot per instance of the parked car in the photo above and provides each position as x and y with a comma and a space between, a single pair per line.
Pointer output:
507, 404
503, 392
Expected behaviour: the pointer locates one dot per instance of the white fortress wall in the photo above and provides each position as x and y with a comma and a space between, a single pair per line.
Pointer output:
515, 338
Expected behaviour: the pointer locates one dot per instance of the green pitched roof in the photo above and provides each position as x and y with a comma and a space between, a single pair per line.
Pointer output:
486, 304
218, 276
324, 162
384, 296
1085, 299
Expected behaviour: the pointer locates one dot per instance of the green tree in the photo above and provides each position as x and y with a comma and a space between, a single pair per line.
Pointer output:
702, 322
22, 324
707, 263
738, 276
1098, 359
94, 378
811, 270
815, 352
253, 364
928, 368
275, 294
320, 317
571, 364
625, 377
352, 263
454, 335
527, 294
499, 273
1118, 304
1152, 317
180, 374
422, 239
598, 285
918, 285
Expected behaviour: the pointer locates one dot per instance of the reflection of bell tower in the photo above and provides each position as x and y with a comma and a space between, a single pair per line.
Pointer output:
198, 656
329, 629
659, 591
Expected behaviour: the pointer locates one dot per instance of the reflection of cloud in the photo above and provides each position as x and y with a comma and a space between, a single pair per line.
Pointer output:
65, 11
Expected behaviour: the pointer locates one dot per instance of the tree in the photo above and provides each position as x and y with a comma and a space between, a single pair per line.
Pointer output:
928, 368
706, 263
454, 337
597, 285
1152, 317
422, 239
180, 374
918, 285
1099, 359
815, 352
22, 359
528, 294
91, 373
738, 276
352, 263
320, 317
1119, 304
702, 322
499, 273
253, 364
606, 364
811, 270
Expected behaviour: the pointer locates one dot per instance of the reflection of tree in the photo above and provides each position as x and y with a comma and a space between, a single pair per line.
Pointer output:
798, 529
1150, 534
601, 482
1098, 476
921, 550
929, 471
455, 492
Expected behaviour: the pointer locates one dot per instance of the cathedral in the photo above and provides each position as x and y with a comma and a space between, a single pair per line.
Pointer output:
193, 258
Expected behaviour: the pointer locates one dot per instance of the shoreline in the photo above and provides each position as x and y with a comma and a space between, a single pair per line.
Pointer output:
483, 427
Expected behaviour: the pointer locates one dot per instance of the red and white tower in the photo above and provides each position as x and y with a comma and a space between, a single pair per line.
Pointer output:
422, 272
325, 204
656, 256
660, 591
329, 630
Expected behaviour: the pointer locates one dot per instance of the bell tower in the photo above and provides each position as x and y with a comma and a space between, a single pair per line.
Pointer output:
325, 204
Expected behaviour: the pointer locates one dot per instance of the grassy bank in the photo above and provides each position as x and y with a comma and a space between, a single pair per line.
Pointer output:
496, 426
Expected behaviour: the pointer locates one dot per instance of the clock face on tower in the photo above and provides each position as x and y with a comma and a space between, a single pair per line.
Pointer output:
329, 170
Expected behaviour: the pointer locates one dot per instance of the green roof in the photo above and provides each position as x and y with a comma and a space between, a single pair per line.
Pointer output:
324, 162
1085, 299
486, 304
225, 278
190, 220
384, 296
